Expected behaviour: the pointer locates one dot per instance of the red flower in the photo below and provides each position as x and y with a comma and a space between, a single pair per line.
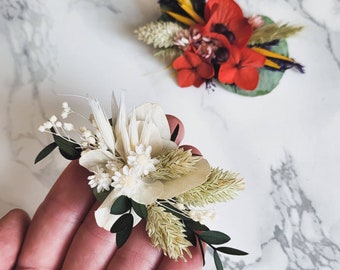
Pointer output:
241, 68
192, 70
225, 17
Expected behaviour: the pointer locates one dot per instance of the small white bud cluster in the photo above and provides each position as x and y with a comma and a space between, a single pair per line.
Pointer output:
66, 110
53, 122
202, 215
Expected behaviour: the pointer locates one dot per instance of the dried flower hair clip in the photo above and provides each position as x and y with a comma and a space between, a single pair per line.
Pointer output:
212, 39
139, 172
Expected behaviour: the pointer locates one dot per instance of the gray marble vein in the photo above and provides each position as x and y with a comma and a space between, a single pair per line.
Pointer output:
107, 4
298, 231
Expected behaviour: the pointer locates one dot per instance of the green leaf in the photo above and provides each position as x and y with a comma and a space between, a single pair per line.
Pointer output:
101, 196
122, 223
123, 235
121, 205
195, 225
202, 250
269, 79
214, 237
217, 260
68, 148
232, 251
140, 209
45, 152
191, 236
175, 133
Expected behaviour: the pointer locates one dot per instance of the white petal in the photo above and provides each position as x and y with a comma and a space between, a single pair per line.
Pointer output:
92, 158
123, 141
133, 130
157, 117
114, 109
103, 217
103, 124
173, 188
148, 193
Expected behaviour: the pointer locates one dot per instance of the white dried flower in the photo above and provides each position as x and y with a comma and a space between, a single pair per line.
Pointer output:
42, 128
68, 126
101, 180
141, 159
53, 119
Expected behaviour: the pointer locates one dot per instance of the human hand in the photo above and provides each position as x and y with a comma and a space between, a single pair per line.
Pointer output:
63, 233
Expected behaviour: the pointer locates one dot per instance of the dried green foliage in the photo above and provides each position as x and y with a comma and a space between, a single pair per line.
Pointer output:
174, 164
221, 186
167, 233
273, 31
159, 34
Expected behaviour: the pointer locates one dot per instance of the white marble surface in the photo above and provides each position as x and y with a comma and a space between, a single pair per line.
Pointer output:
286, 144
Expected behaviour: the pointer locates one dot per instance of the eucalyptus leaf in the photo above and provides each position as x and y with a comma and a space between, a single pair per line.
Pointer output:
269, 79
67, 147
123, 236
232, 251
175, 133
121, 205
140, 209
122, 223
195, 225
202, 250
101, 196
45, 152
191, 236
214, 237
217, 260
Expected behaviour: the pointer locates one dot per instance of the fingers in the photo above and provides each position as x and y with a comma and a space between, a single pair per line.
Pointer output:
194, 150
194, 263
137, 253
56, 220
177, 133
176, 128
13, 227
92, 247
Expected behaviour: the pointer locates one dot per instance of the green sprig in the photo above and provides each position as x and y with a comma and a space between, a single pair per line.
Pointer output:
273, 31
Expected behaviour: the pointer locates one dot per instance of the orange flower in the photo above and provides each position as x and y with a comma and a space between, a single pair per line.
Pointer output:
241, 68
192, 70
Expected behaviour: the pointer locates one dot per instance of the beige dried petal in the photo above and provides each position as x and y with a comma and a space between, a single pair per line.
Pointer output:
187, 182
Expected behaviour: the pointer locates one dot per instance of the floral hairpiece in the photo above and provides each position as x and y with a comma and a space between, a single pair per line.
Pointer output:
212, 39
139, 172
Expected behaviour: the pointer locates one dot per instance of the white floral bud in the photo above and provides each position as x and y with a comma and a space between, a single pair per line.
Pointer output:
68, 126
41, 128
64, 115
48, 125
53, 119
65, 105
